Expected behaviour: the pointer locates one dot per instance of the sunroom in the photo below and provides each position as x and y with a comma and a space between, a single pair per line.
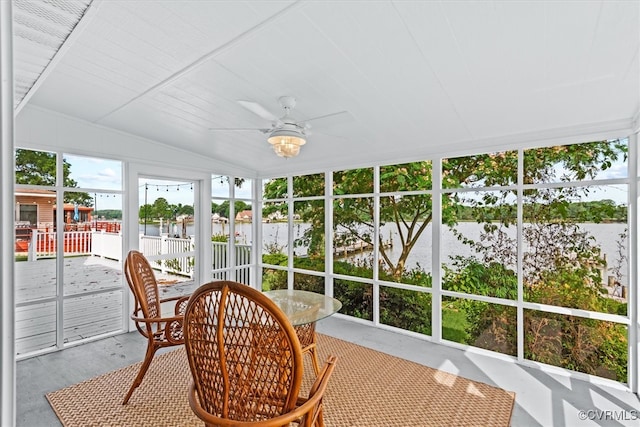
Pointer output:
461, 176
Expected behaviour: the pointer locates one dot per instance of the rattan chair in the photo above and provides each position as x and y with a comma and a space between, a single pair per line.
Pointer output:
147, 314
246, 361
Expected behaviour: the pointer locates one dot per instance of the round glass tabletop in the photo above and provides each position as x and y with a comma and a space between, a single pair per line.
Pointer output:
302, 307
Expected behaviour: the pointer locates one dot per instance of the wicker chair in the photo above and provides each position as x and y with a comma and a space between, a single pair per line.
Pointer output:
147, 314
246, 361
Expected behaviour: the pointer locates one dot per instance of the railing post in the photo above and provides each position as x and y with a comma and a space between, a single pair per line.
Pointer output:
192, 245
94, 243
164, 249
33, 246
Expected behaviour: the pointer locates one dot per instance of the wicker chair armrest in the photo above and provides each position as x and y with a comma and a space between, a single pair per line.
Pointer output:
313, 404
308, 408
172, 327
320, 384
180, 305
138, 318
149, 320
176, 298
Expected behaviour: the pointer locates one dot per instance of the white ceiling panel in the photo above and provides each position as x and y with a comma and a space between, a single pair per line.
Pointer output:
414, 77
40, 29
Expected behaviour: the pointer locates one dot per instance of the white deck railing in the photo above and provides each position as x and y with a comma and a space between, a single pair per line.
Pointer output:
43, 244
109, 245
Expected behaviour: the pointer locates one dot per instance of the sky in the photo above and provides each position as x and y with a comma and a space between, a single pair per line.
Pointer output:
102, 174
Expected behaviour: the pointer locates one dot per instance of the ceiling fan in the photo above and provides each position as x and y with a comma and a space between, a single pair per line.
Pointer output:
286, 134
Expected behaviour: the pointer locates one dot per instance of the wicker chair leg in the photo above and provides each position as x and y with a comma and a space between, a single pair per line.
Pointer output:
320, 420
314, 359
148, 358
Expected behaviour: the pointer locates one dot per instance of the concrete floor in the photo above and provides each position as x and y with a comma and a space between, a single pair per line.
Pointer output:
542, 399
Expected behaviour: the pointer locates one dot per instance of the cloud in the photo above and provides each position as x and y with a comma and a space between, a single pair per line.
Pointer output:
108, 173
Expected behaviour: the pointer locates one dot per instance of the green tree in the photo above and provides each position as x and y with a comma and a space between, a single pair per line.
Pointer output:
39, 168
411, 215
162, 209
561, 267
184, 209
145, 211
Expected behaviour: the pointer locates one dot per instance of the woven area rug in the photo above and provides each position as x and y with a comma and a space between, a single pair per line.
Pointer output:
368, 388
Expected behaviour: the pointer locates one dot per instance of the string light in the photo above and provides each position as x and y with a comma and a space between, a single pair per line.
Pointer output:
168, 187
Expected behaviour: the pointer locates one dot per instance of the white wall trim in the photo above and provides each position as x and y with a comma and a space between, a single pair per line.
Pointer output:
7, 217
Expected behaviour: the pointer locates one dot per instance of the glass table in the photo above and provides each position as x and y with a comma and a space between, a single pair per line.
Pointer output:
304, 309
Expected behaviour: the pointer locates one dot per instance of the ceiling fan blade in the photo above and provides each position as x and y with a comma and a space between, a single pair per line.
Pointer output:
330, 135
240, 129
331, 119
259, 110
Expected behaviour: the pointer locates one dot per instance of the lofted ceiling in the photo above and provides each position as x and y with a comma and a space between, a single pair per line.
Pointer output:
415, 77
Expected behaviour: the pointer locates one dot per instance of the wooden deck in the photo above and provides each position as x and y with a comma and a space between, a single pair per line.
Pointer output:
92, 304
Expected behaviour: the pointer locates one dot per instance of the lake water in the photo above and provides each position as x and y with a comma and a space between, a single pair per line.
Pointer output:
606, 235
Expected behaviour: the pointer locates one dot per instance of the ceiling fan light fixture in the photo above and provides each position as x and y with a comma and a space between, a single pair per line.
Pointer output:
286, 142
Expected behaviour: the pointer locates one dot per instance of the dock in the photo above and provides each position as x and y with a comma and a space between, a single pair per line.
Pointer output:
358, 247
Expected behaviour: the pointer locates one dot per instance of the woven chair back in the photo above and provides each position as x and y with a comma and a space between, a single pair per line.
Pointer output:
142, 282
244, 356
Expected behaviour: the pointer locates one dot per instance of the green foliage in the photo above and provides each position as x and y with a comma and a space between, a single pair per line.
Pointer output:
402, 308
491, 326
277, 188
275, 259
356, 298
304, 186
593, 211
223, 238
309, 263
307, 282
161, 208
470, 276
184, 209
312, 213
353, 181
406, 309
271, 278
412, 214
586, 345
454, 323
39, 168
